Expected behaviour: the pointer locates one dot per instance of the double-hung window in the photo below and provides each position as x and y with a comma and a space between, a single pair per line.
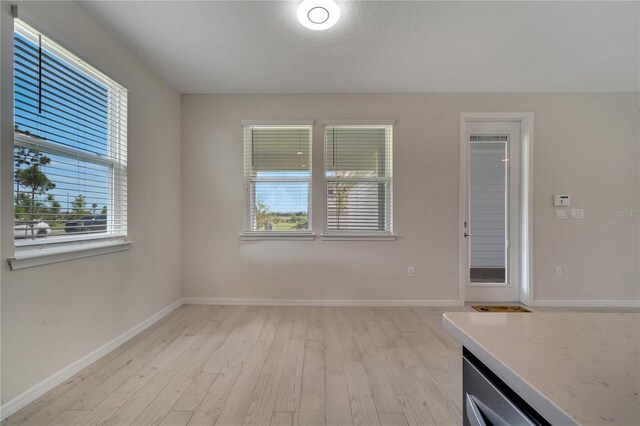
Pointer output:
277, 178
70, 150
359, 180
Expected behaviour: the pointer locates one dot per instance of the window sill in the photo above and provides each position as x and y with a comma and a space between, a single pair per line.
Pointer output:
28, 257
356, 237
270, 236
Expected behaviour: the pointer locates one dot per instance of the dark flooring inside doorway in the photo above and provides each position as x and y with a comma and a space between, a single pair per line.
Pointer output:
487, 275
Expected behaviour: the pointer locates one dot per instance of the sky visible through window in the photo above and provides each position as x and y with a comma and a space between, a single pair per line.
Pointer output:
73, 113
282, 198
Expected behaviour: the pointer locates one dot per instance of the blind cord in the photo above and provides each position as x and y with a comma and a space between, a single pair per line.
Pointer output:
253, 149
333, 145
39, 74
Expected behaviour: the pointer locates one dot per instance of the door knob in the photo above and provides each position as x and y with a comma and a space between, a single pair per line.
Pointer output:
468, 235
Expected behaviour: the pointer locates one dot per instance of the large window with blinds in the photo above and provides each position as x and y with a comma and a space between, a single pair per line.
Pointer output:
70, 150
359, 179
277, 178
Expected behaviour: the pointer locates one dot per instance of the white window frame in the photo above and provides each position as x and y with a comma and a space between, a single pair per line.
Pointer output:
116, 198
387, 235
47, 250
251, 235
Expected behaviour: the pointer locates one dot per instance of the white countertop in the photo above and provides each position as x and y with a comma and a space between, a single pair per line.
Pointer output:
573, 368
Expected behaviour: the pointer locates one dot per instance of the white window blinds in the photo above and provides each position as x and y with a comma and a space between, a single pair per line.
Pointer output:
277, 178
70, 155
358, 173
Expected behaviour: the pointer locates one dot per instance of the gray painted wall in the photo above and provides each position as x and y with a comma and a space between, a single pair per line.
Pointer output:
53, 315
585, 145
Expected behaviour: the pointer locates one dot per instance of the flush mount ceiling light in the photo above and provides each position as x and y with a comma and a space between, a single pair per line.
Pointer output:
318, 14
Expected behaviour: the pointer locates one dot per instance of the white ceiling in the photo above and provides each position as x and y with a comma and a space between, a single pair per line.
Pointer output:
380, 46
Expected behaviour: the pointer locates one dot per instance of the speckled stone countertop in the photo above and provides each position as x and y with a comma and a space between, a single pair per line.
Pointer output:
573, 368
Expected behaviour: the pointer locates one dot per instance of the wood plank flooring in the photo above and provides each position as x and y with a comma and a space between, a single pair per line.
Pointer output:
261, 365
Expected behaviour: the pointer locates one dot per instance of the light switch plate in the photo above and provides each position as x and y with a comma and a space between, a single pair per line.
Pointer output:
561, 214
577, 213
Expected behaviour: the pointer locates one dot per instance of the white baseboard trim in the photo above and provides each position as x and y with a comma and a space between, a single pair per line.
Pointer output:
594, 303
54, 380
314, 302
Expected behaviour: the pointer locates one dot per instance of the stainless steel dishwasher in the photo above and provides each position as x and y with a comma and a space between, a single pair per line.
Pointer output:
488, 401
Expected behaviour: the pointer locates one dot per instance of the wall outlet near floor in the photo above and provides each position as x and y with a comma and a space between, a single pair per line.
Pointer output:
577, 213
411, 271
561, 214
559, 271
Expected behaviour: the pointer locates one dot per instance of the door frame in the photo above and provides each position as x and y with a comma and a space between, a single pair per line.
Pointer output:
525, 260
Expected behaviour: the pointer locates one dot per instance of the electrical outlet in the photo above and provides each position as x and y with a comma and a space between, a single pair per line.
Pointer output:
559, 271
411, 271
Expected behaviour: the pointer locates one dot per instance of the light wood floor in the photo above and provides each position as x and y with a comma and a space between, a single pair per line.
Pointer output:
234, 365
